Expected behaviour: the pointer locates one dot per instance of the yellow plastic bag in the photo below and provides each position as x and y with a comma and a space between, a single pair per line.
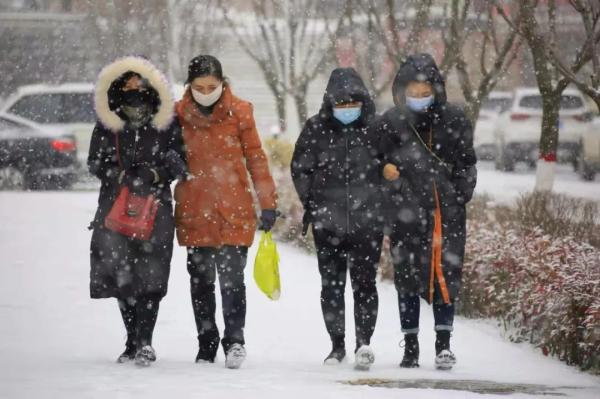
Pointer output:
266, 267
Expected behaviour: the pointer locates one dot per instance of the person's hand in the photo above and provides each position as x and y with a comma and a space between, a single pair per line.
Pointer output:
390, 172
306, 221
267, 219
146, 175
176, 165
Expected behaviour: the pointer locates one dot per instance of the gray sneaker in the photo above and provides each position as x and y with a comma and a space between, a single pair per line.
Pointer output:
145, 356
364, 358
235, 356
445, 360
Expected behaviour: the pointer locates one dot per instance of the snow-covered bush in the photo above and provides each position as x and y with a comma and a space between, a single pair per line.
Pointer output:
544, 289
558, 214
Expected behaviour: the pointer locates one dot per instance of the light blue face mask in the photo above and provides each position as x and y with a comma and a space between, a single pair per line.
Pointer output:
346, 115
419, 104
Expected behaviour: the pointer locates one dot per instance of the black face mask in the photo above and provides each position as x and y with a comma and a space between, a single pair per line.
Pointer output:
137, 116
135, 98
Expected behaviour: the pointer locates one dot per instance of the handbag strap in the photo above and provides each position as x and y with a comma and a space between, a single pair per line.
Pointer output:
118, 150
428, 148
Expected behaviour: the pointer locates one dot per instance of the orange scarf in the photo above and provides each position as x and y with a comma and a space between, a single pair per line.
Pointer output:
436, 245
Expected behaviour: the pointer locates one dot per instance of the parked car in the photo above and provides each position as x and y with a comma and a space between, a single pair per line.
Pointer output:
518, 130
32, 157
66, 108
589, 160
491, 108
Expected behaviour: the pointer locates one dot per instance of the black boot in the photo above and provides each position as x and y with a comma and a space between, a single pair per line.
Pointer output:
127, 308
129, 353
442, 341
411, 351
207, 351
444, 359
338, 352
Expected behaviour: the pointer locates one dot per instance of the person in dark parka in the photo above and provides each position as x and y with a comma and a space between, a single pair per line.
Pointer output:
430, 163
137, 143
337, 174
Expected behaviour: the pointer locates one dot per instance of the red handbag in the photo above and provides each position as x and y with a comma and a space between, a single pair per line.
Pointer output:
132, 215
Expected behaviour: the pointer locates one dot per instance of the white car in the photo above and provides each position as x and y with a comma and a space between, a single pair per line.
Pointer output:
518, 130
589, 160
66, 109
491, 108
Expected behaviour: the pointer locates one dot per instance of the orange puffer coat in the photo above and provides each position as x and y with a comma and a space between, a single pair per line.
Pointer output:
216, 207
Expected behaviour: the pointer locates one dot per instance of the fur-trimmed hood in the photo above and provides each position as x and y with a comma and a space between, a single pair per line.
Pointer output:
109, 116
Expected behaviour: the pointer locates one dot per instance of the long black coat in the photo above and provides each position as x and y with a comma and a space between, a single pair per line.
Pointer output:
336, 168
410, 199
122, 267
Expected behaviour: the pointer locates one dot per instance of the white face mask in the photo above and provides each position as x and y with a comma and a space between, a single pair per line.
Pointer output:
207, 100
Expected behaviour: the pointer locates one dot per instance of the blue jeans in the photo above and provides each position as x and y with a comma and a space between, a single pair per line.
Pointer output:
410, 309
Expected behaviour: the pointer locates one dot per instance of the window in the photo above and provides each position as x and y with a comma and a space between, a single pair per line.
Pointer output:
40, 108
566, 102
56, 108
496, 104
571, 102
78, 108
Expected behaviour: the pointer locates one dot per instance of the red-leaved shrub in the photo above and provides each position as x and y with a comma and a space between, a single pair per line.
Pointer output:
545, 290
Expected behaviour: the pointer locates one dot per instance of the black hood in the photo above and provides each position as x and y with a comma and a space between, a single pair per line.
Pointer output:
346, 85
420, 68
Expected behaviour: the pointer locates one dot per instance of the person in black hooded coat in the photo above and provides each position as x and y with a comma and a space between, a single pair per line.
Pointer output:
136, 143
430, 163
337, 173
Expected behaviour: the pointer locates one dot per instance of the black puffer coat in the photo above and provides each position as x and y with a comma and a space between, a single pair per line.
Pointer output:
336, 168
411, 200
122, 267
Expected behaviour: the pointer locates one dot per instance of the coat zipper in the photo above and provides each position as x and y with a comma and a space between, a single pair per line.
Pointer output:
135, 146
347, 167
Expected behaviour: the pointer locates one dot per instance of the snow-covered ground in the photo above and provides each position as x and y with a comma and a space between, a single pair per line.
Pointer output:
55, 342
506, 186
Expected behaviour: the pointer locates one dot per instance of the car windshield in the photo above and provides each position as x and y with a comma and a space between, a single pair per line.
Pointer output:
40, 108
50, 108
78, 108
496, 104
566, 102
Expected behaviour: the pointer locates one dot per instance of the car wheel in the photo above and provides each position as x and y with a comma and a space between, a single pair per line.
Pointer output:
576, 157
498, 165
507, 161
585, 171
11, 179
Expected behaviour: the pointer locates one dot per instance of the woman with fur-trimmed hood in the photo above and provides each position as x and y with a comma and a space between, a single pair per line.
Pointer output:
136, 143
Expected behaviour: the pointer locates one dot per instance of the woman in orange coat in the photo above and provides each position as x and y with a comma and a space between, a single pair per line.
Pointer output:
215, 214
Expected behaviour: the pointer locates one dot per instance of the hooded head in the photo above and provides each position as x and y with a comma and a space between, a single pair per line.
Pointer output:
346, 86
419, 68
111, 98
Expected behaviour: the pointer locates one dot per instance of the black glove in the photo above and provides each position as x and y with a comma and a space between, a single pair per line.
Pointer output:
139, 179
267, 219
306, 221
176, 165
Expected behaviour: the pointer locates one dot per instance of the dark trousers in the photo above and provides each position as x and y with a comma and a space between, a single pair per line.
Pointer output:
203, 265
358, 253
139, 316
410, 309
